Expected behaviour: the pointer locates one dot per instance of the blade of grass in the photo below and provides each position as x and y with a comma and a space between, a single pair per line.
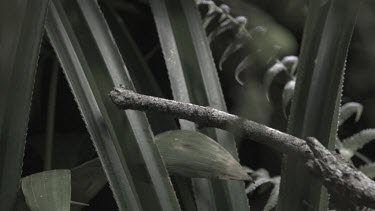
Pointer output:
138, 69
21, 26
145, 82
194, 79
317, 97
93, 65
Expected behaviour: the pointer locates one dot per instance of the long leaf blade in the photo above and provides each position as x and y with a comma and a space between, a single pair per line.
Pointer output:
124, 142
317, 96
139, 71
194, 79
21, 28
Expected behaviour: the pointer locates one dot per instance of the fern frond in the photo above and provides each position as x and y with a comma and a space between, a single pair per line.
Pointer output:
368, 170
349, 109
287, 96
274, 195
257, 183
357, 141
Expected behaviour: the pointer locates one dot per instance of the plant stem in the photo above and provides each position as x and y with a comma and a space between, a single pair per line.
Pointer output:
50, 128
344, 182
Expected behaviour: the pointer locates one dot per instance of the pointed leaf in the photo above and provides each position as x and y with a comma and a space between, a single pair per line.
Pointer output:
314, 111
93, 65
140, 72
193, 154
48, 190
194, 79
21, 30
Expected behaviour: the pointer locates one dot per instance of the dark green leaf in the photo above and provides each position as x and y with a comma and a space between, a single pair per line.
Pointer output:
87, 180
93, 66
194, 79
316, 101
21, 28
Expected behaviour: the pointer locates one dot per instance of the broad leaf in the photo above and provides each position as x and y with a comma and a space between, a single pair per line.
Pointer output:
193, 154
48, 190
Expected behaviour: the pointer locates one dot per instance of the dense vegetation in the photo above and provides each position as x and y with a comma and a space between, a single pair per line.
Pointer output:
302, 67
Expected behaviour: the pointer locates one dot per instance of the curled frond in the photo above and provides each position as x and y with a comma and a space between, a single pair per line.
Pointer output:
349, 109
357, 141
274, 195
287, 96
243, 65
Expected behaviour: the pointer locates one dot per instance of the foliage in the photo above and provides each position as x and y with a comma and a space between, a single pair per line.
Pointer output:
82, 153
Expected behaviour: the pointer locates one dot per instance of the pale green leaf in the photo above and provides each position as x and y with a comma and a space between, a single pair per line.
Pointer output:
193, 154
48, 190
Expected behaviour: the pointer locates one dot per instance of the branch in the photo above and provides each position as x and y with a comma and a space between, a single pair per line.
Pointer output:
343, 181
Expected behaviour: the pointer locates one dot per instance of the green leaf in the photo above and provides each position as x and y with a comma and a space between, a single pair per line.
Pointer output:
47, 190
194, 79
124, 141
139, 71
21, 26
193, 154
316, 101
87, 180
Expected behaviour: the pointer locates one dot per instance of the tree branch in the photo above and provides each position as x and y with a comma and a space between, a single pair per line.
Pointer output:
343, 181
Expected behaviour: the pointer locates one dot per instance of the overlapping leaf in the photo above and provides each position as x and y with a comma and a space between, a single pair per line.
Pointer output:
194, 79
93, 65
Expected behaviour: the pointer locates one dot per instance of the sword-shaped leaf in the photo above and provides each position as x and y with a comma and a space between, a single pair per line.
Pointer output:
21, 28
93, 65
316, 100
194, 79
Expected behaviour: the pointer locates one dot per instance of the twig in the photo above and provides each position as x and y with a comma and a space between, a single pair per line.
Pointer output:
343, 181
